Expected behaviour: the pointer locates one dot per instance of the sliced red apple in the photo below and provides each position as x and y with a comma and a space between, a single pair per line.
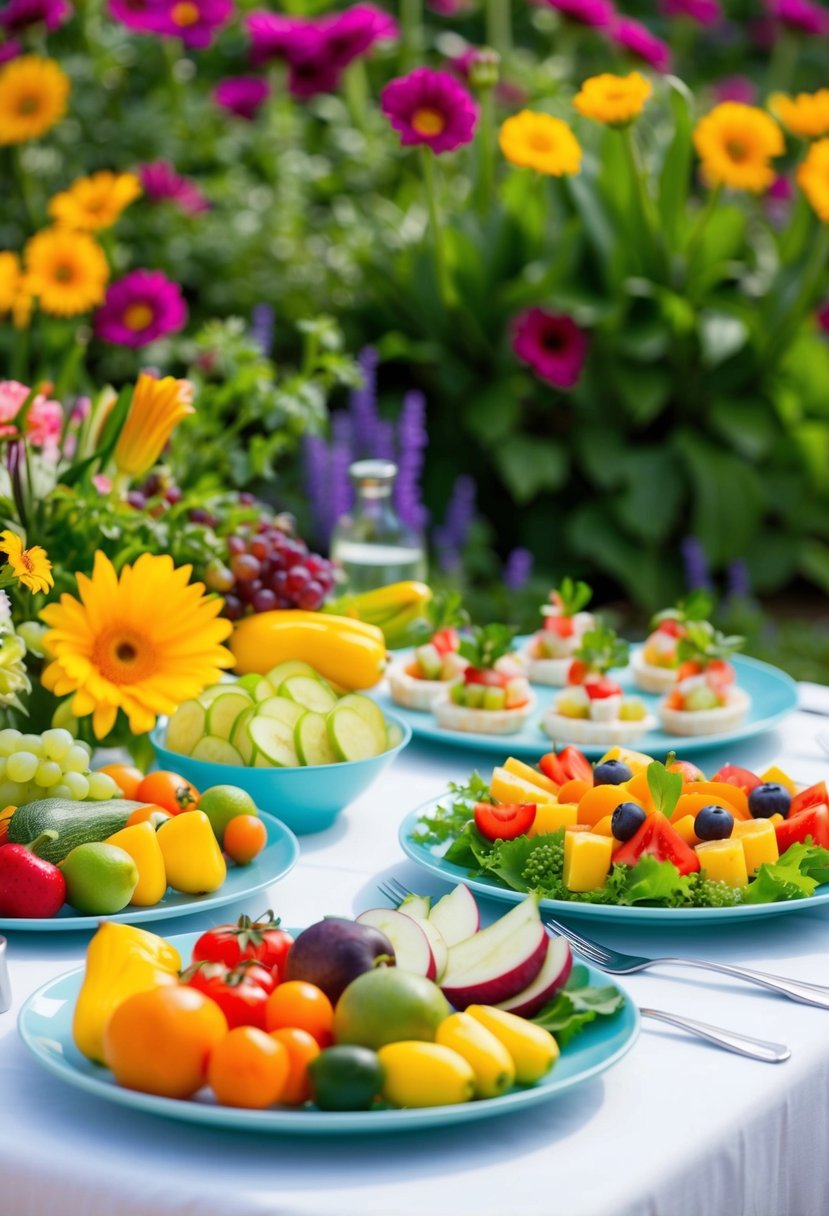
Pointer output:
456, 916
416, 906
499, 961
412, 951
440, 950
551, 979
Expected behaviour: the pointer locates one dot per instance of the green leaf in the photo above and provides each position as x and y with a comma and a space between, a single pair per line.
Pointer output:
675, 177
652, 881
813, 562
650, 502
494, 413
721, 336
746, 423
645, 390
487, 644
795, 875
573, 595
530, 466
665, 788
727, 499
601, 649
577, 1005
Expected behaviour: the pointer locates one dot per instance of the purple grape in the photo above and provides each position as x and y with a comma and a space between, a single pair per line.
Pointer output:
247, 591
174, 495
198, 515
218, 577
311, 597
279, 582
246, 498
245, 567
236, 544
298, 579
260, 548
136, 499
264, 600
234, 608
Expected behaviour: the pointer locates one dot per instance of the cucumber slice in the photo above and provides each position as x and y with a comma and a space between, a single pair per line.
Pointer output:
259, 688
368, 710
186, 728
291, 667
310, 691
281, 709
223, 712
311, 739
217, 751
240, 738
208, 695
270, 738
394, 736
352, 737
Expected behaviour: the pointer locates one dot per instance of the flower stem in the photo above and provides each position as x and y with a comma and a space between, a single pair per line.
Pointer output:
411, 22
486, 160
428, 167
22, 182
703, 220
499, 27
355, 88
783, 63
804, 300
647, 206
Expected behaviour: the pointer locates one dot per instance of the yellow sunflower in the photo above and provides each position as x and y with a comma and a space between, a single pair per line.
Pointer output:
33, 97
15, 290
115, 648
95, 202
614, 100
736, 144
157, 408
67, 271
806, 115
540, 142
31, 567
813, 178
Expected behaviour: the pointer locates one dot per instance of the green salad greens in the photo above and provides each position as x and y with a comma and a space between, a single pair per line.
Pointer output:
577, 1004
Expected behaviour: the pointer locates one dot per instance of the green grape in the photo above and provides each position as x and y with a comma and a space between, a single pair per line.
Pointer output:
9, 741
57, 744
101, 787
77, 785
11, 793
22, 766
77, 761
48, 773
61, 791
31, 743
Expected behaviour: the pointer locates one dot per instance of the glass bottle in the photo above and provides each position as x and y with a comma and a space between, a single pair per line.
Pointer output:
371, 546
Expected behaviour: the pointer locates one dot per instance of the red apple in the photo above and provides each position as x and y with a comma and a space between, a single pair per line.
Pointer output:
456, 915
500, 961
412, 951
551, 978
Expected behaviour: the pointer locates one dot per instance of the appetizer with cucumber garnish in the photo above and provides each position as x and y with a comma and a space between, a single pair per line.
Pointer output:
593, 708
436, 662
549, 651
705, 699
288, 718
656, 663
493, 695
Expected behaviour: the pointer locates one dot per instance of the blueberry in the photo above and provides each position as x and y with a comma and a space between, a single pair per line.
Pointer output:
769, 799
611, 772
714, 823
627, 819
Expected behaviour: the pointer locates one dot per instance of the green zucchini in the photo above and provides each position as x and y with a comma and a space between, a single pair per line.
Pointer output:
75, 823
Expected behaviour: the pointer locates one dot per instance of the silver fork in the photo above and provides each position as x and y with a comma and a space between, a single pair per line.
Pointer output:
743, 1045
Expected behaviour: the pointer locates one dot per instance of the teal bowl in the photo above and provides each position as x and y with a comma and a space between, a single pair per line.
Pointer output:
308, 799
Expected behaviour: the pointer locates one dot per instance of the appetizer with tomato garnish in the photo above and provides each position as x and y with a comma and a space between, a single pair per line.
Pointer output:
656, 662
493, 695
437, 661
549, 651
705, 699
593, 708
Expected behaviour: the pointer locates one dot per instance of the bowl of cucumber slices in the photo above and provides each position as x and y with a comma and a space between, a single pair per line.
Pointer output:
302, 748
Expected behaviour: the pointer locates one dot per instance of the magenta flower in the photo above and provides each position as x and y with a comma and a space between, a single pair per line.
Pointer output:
161, 183
802, 16
241, 95
430, 108
703, 12
735, 88
316, 74
355, 31
551, 344
195, 22
144, 16
822, 315
19, 14
273, 36
449, 8
597, 13
140, 308
9, 50
635, 37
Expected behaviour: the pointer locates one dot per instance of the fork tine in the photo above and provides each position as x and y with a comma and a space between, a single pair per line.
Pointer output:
585, 945
393, 890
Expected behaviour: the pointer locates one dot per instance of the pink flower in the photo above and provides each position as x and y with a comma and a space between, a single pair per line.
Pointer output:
354, 32
449, 8
242, 95
140, 308
430, 108
10, 50
638, 39
141, 15
597, 13
195, 22
161, 183
551, 344
19, 14
822, 315
736, 88
273, 36
44, 417
102, 484
802, 16
704, 12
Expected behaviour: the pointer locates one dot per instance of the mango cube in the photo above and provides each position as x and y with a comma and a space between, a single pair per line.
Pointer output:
759, 841
549, 817
777, 775
637, 762
527, 773
506, 787
685, 827
587, 859
722, 861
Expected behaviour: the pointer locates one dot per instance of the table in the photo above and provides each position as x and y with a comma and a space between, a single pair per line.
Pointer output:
676, 1129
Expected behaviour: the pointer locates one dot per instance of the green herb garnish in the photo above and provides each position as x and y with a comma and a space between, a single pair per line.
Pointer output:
601, 648
569, 598
578, 1004
487, 644
665, 788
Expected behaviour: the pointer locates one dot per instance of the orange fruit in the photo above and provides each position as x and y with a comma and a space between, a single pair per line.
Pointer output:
301, 1048
249, 1068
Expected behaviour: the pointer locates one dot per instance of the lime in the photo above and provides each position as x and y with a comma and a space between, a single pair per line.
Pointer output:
100, 878
221, 803
386, 1005
345, 1078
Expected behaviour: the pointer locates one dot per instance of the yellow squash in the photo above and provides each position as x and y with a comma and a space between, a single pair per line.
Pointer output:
120, 960
424, 1074
348, 652
487, 1056
533, 1049
141, 842
192, 857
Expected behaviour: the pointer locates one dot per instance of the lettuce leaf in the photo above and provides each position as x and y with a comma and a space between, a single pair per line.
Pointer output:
795, 875
578, 1004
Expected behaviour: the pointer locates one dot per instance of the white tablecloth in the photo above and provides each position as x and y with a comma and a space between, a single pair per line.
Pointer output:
676, 1129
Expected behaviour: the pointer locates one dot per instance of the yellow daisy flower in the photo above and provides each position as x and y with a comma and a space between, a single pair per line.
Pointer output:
806, 115
31, 567
813, 178
157, 408
736, 144
614, 100
95, 202
115, 648
540, 142
67, 271
33, 97
15, 290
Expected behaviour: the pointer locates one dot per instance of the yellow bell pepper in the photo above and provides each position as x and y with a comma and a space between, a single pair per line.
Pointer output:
141, 842
120, 961
348, 652
192, 857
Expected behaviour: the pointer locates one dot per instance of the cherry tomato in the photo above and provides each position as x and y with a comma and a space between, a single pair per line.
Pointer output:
126, 777
149, 814
261, 940
302, 1048
561, 626
504, 821
690, 667
240, 992
301, 1005
169, 791
446, 640
600, 687
568, 765
245, 837
249, 1068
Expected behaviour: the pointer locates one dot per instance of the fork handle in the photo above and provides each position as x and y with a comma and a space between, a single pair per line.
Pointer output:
755, 1049
807, 994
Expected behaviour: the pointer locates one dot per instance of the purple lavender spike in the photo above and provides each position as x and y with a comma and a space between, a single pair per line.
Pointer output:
518, 569
341, 494
412, 441
695, 560
317, 486
362, 406
342, 431
384, 447
451, 536
262, 327
739, 582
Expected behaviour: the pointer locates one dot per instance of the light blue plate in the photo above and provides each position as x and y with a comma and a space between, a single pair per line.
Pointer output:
45, 1025
773, 696
276, 859
429, 857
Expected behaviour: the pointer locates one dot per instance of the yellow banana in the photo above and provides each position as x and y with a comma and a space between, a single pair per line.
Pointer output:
383, 603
